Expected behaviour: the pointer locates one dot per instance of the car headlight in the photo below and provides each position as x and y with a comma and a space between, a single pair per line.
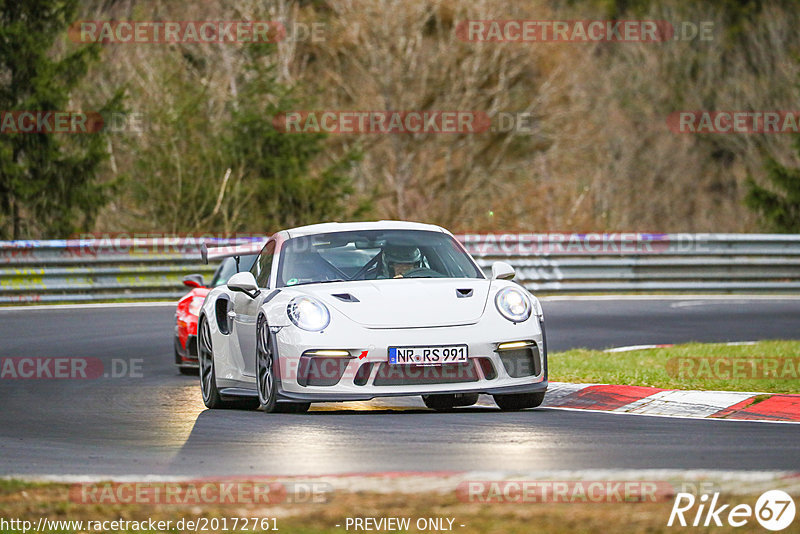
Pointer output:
513, 304
196, 304
308, 313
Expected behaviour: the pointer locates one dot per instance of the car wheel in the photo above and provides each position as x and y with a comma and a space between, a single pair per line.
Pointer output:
266, 376
208, 378
443, 403
519, 401
208, 375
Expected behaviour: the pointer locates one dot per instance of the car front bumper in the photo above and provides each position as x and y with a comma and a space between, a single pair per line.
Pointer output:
365, 376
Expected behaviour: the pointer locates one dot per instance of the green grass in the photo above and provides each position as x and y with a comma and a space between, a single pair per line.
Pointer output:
8, 486
689, 366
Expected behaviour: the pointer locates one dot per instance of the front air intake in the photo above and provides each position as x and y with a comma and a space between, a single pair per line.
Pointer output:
417, 375
362, 375
320, 371
521, 362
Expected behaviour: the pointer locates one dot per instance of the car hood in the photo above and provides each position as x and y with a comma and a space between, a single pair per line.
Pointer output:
406, 303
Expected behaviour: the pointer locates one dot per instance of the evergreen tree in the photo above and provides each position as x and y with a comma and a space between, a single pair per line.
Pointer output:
47, 180
205, 169
293, 186
780, 204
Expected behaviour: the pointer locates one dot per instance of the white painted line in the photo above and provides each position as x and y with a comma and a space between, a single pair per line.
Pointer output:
90, 305
741, 297
630, 348
704, 302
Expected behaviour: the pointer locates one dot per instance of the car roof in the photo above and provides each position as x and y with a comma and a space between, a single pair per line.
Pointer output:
324, 228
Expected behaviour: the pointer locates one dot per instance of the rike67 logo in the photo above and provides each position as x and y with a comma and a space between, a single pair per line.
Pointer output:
774, 510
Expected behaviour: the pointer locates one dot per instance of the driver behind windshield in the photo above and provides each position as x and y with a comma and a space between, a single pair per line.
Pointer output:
398, 260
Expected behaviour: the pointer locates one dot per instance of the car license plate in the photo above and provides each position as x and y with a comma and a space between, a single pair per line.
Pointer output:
435, 355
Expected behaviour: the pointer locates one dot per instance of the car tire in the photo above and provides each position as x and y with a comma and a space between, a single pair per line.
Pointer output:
208, 376
519, 401
188, 371
446, 402
266, 376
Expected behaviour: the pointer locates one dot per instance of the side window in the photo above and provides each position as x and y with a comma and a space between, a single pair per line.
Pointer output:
263, 266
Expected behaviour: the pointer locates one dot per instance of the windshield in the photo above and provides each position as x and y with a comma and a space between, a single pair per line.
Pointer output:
227, 269
373, 255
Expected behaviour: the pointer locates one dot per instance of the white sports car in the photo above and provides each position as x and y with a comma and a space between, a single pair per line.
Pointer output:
354, 311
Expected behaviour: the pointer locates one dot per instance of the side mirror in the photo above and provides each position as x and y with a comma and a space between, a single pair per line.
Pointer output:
244, 282
502, 271
193, 280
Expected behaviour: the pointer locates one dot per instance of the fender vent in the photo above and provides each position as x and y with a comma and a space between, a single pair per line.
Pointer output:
463, 293
221, 308
345, 297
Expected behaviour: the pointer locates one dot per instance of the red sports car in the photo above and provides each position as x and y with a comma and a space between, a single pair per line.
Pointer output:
236, 259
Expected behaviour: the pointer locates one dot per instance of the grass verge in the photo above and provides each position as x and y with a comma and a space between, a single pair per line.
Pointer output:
766, 366
54, 502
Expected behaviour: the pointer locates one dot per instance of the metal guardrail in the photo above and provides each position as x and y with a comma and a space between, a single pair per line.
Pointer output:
138, 269
613, 263
81, 270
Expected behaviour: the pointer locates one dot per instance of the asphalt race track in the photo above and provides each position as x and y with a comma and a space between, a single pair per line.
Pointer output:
156, 423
